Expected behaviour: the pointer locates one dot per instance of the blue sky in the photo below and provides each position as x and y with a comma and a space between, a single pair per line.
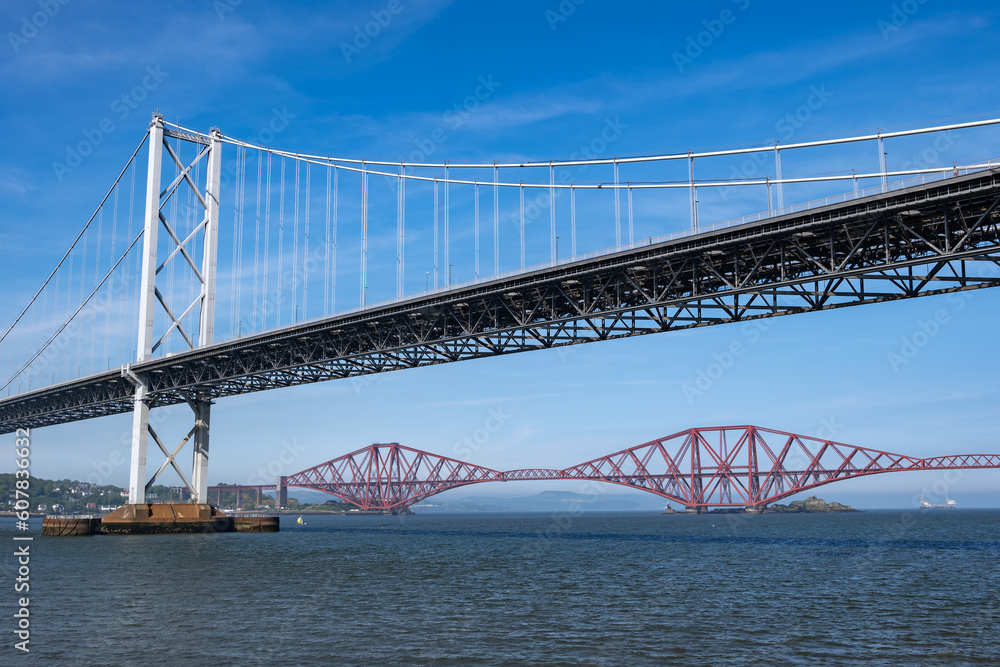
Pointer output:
558, 73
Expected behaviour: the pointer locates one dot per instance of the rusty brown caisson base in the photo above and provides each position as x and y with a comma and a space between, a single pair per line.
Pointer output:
158, 519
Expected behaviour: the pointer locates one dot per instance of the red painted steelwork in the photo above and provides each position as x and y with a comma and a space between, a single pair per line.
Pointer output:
723, 466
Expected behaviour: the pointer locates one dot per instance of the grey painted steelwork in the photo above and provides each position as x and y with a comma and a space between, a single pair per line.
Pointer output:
150, 295
930, 239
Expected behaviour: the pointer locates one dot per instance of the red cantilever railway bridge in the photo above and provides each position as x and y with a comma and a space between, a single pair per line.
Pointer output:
722, 466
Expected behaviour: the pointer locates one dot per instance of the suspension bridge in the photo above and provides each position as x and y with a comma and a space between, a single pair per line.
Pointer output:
131, 319
746, 467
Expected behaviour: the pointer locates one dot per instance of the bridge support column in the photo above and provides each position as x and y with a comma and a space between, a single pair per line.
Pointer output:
147, 299
280, 494
695, 509
199, 475
155, 217
140, 436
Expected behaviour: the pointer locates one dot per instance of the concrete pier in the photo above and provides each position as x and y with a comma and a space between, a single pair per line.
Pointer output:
70, 526
159, 519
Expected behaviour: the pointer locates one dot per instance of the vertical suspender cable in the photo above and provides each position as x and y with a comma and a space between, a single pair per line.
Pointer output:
295, 245
572, 220
631, 234
777, 173
400, 199
42, 330
105, 359
552, 213
447, 235
305, 247
618, 216
476, 230
267, 241
364, 234
232, 276
83, 279
333, 268
133, 315
326, 247
255, 315
281, 239
881, 162
521, 187
496, 220
402, 231
694, 193
97, 276
239, 271
436, 243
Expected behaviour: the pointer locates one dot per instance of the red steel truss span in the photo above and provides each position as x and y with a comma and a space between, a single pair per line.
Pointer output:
721, 466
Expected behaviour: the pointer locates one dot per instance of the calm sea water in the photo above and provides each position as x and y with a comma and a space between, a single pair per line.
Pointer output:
888, 588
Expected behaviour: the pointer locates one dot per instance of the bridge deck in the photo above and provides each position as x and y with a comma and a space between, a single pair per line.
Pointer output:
928, 239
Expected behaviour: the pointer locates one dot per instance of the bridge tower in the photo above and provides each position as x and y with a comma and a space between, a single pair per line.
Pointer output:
154, 303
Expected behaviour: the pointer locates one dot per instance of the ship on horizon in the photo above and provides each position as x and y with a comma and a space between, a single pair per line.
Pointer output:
949, 504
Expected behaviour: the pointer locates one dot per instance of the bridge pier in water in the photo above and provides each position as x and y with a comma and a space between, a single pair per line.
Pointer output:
139, 517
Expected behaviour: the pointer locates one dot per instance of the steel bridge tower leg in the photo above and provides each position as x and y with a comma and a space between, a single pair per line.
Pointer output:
151, 223
280, 494
199, 472
148, 298
206, 327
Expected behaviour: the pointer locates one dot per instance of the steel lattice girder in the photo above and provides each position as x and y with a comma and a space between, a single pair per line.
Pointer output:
723, 466
389, 476
931, 239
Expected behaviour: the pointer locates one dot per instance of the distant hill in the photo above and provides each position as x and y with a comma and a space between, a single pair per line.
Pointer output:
546, 501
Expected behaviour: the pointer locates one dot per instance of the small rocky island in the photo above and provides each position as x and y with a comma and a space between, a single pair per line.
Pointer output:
811, 504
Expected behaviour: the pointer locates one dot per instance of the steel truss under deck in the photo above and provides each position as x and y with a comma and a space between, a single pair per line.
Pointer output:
930, 239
